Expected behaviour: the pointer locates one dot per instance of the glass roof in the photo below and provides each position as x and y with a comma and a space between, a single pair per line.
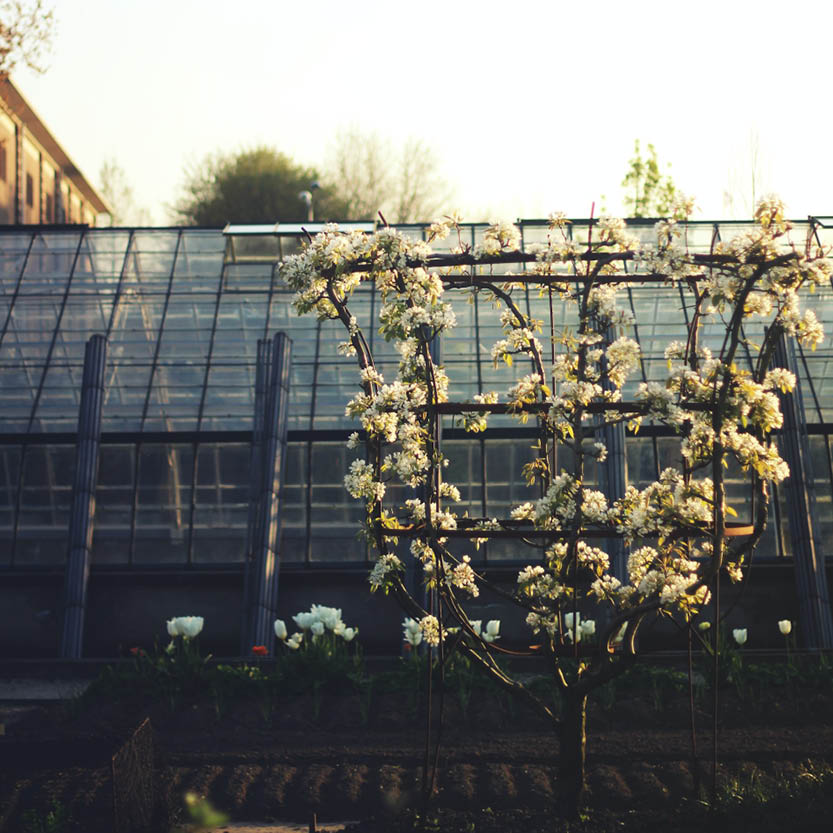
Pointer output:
183, 310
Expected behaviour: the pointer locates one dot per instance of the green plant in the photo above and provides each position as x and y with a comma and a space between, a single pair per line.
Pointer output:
462, 677
56, 820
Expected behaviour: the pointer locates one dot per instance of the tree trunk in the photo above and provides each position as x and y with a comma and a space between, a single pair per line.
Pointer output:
573, 741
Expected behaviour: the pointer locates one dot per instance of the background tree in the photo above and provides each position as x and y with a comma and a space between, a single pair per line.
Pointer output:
26, 29
261, 185
113, 185
370, 175
748, 179
648, 193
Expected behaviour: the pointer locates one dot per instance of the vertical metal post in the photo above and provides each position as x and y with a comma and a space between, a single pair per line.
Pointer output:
613, 482
262, 377
83, 497
265, 567
613, 477
814, 615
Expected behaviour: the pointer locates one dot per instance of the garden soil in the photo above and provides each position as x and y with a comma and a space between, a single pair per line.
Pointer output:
343, 758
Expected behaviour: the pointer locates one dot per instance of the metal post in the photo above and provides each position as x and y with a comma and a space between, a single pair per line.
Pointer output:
613, 477
814, 615
264, 585
613, 481
83, 497
262, 377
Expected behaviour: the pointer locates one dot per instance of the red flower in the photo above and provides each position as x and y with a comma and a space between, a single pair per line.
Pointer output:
260, 650
137, 651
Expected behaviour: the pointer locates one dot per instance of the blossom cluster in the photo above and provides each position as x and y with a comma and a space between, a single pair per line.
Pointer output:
428, 629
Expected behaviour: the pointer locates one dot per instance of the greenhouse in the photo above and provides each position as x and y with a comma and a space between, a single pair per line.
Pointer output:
179, 416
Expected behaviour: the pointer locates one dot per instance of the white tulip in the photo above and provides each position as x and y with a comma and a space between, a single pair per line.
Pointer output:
476, 625
304, 620
740, 635
493, 628
173, 627
785, 626
294, 641
349, 633
317, 628
588, 627
573, 632
190, 626
280, 629
329, 616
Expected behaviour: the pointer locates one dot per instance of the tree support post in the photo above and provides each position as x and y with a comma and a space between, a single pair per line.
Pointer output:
266, 561
82, 516
613, 478
814, 615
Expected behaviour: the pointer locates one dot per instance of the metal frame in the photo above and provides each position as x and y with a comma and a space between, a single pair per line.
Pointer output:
313, 349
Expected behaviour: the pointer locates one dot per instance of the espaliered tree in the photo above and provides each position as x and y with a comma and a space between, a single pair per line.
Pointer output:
675, 528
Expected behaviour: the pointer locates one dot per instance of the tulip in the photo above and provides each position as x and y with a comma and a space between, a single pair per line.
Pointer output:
317, 628
785, 626
588, 627
304, 620
740, 635
349, 633
704, 626
329, 616
573, 632
492, 631
190, 626
294, 641
413, 639
173, 627
476, 625
339, 629
280, 629
260, 650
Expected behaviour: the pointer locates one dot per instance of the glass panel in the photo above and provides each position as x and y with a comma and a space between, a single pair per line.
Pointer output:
9, 480
335, 516
50, 263
294, 509
164, 504
114, 504
221, 510
45, 504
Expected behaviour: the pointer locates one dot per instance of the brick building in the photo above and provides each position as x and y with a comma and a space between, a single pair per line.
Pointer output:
39, 183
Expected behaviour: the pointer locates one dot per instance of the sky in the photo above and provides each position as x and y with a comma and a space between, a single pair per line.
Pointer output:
531, 107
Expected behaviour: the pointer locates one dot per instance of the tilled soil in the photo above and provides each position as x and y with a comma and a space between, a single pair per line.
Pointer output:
267, 761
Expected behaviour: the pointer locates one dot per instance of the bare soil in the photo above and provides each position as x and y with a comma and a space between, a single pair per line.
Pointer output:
342, 758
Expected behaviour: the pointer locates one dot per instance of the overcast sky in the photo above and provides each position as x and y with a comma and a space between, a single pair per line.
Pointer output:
531, 106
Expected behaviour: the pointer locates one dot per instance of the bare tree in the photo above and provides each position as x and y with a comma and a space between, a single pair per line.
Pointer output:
371, 175
118, 194
26, 30
748, 180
